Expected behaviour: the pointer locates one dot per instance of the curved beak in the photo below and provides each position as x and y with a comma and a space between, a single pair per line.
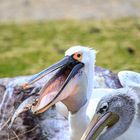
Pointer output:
52, 91
98, 123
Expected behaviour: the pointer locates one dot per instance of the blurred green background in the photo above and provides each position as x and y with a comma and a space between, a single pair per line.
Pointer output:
27, 48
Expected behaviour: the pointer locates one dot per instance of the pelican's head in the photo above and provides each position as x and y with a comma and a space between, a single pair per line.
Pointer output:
114, 114
69, 84
83, 54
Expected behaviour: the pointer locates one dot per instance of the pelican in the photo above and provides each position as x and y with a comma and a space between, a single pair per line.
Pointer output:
116, 117
69, 85
72, 85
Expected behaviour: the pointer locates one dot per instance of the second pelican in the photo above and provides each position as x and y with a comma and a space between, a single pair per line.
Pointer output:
116, 117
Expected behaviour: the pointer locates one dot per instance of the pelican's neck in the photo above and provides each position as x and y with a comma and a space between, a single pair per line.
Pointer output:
79, 120
90, 72
78, 123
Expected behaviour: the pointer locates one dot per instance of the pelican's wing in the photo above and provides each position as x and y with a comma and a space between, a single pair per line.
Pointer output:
106, 79
129, 78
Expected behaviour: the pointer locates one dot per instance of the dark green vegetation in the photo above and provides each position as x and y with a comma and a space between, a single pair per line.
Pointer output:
28, 48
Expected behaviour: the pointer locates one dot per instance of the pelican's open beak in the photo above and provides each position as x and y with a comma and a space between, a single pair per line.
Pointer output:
65, 61
50, 93
98, 123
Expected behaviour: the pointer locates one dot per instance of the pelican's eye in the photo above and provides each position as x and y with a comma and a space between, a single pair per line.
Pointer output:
77, 56
103, 108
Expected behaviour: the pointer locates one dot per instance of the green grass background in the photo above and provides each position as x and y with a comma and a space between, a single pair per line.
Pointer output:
28, 48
